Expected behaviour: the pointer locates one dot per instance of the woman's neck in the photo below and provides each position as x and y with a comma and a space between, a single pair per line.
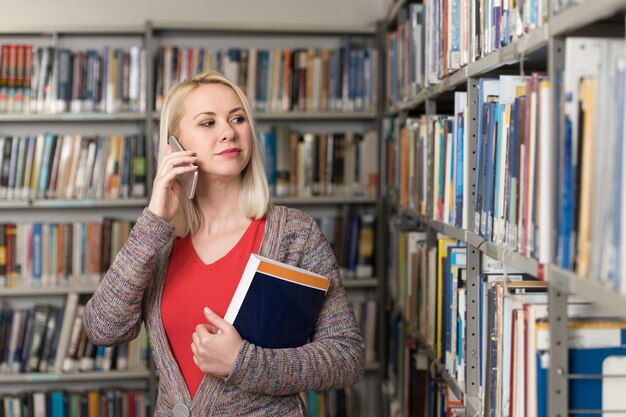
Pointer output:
220, 207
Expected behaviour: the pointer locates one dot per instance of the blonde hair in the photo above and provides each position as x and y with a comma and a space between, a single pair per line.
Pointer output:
254, 195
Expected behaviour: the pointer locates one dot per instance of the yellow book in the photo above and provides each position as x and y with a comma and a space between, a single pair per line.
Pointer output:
93, 403
34, 179
587, 93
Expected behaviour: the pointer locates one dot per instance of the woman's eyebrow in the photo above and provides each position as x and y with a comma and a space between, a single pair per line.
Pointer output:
210, 113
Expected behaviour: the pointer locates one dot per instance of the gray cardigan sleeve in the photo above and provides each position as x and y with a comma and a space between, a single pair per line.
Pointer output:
335, 356
113, 315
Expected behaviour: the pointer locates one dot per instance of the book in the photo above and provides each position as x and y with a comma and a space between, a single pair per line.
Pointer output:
276, 305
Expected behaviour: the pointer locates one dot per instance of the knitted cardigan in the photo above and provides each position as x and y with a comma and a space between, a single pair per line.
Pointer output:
263, 382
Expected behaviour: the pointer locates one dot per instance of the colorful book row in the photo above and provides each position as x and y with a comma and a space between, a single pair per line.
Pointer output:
45, 79
433, 39
51, 339
53, 166
542, 172
35, 255
325, 164
281, 79
113, 402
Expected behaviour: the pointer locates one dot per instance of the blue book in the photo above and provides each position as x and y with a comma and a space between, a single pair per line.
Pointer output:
459, 168
584, 393
276, 305
37, 253
567, 201
490, 136
269, 150
263, 68
57, 408
352, 245
487, 87
127, 166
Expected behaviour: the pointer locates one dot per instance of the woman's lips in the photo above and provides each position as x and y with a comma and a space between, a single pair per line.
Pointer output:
230, 152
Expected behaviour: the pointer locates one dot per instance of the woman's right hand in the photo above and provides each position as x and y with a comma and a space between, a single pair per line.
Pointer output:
165, 188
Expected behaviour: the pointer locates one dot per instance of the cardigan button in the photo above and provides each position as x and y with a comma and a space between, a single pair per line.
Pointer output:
180, 410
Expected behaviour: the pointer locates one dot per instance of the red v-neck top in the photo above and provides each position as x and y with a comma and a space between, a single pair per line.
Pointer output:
190, 285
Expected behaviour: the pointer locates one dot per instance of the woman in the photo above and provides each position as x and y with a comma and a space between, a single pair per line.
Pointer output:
181, 264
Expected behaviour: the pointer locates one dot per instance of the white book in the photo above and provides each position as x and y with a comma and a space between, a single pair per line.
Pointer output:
613, 386
109, 98
432, 296
547, 163
70, 363
36, 167
607, 164
88, 172
79, 179
622, 214
97, 177
447, 178
436, 165
69, 192
8, 364
21, 248
143, 80
39, 404
71, 306
134, 77
231, 68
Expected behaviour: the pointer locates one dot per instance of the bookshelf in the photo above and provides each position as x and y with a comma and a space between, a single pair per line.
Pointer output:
144, 122
35, 208
538, 49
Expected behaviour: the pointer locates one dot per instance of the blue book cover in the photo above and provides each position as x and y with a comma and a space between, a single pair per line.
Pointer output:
459, 168
57, 408
269, 150
499, 163
44, 168
262, 71
617, 201
567, 201
585, 394
276, 305
37, 249
513, 173
487, 87
487, 206
352, 244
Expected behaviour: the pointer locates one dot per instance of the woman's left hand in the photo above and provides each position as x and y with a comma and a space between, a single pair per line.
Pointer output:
215, 345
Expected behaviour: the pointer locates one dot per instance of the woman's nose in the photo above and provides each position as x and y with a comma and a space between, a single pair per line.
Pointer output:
228, 133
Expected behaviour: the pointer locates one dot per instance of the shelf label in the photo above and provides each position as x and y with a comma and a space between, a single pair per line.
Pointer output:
43, 377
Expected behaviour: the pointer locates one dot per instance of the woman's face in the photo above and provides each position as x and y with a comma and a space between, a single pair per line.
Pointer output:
215, 126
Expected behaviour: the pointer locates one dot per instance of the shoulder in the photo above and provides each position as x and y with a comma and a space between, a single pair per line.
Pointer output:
289, 230
290, 218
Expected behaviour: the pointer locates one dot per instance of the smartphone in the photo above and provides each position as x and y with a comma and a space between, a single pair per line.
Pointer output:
188, 180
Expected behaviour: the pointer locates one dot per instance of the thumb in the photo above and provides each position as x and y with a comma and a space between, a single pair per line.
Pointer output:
214, 319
